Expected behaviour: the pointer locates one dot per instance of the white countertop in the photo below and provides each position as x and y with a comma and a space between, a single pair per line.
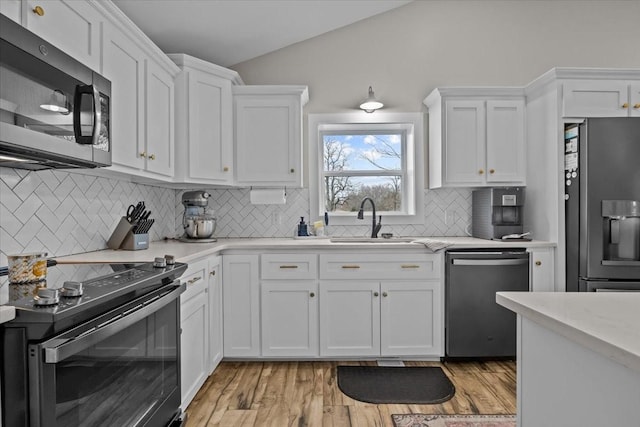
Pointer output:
185, 252
607, 323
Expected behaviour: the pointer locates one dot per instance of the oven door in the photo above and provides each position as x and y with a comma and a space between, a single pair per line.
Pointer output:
121, 369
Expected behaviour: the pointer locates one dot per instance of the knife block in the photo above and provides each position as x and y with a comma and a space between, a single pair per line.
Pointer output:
118, 236
135, 242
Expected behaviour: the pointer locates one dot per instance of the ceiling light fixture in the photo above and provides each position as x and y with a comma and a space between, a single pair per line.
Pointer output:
371, 104
57, 102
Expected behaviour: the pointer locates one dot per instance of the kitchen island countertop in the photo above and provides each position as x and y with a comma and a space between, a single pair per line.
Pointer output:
607, 323
185, 252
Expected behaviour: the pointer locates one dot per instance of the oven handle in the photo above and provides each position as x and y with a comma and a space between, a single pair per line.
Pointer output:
489, 261
58, 349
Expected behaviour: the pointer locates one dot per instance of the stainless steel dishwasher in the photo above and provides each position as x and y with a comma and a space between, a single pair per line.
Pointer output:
475, 325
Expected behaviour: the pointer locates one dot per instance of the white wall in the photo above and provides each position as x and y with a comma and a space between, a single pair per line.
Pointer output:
407, 52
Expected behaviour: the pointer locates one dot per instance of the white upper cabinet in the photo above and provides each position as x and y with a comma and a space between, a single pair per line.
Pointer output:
204, 121
123, 64
268, 135
476, 137
72, 26
159, 120
142, 100
600, 98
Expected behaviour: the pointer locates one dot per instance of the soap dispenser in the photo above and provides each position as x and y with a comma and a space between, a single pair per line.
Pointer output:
302, 227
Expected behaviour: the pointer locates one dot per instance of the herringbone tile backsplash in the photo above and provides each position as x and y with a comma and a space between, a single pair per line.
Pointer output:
65, 213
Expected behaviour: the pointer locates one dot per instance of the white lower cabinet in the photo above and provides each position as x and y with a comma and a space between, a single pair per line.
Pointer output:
541, 270
194, 323
389, 318
289, 318
215, 313
349, 318
411, 318
241, 299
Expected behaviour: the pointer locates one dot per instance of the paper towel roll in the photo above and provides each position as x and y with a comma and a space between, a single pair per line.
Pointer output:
268, 196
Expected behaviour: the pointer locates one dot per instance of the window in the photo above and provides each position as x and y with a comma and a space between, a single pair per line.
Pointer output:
355, 159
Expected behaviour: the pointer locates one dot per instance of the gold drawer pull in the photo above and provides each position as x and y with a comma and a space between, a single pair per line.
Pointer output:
38, 10
538, 262
225, 169
143, 154
288, 266
625, 105
636, 106
481, 171
492, 171
375, 294
213, 273
410, 266
194, 280
152, 157
384, 294
350, 266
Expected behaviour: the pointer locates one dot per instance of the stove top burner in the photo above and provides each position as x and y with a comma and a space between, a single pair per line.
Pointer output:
81, 291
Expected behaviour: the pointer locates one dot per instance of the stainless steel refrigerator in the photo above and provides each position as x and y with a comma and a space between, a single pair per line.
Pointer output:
602, 204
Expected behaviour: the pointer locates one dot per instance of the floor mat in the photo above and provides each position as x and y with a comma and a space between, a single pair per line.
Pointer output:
375, 384
421, 420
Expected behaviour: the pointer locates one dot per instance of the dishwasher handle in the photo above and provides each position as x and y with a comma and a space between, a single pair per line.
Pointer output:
490, 261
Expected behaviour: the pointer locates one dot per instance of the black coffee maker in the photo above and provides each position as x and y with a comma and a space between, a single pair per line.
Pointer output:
497, 212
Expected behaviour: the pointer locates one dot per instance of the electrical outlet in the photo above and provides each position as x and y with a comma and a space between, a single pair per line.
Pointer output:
276, 218
450, 217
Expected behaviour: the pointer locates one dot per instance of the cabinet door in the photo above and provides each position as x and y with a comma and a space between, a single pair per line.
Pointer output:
595, 98
289, 318
159, 120
194, 345
464, 150
210, 124
541, 270
268, 140
634, 100
411, 318
505, 141
11, 9
241, 296
72, 26
123, 64
215, 313
349, 318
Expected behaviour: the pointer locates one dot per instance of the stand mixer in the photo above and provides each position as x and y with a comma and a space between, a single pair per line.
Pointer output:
198, 222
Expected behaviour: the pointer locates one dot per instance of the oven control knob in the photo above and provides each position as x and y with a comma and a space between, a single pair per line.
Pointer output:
46, 296
72, 289
159, 262
170, 259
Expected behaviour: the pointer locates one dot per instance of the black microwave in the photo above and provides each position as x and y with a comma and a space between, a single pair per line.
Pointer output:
54, 111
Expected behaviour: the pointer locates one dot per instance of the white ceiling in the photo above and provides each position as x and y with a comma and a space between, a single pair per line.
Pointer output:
227, 32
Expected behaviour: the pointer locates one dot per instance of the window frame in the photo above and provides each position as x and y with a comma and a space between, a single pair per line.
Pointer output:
412, 161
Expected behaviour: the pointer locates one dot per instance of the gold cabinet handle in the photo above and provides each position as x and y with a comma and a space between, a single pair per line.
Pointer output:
481, 171
409, 266
152, 157
212, 273
288, 266
143, 154
636, 106
350, 266
375, 294
538, 262
625, 105
384, 294
38, 11
292, 170
492, 171
225, 169
312, 294
194, 280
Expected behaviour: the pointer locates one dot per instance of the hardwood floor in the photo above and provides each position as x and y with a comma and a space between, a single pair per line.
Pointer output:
306, 394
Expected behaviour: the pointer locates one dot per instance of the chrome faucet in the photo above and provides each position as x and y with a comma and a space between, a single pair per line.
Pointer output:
374, 227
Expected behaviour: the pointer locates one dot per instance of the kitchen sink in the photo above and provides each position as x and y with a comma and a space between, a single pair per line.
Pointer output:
371, 240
